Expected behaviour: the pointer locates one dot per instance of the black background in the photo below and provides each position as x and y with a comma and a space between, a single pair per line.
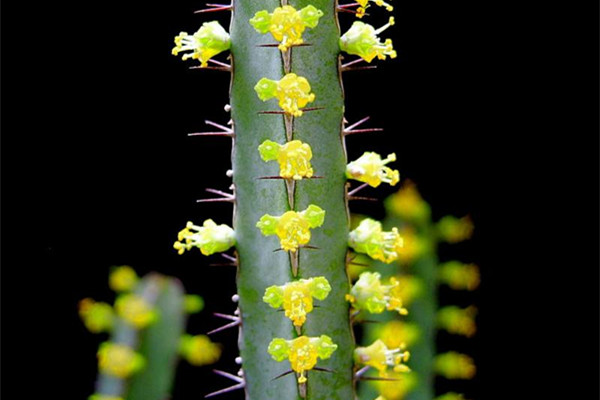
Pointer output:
490, 108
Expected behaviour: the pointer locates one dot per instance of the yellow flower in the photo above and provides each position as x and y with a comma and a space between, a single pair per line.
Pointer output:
210, 238
459, 276
454, 230
286, 24
199, 350
302, 352
297, 297
119, 360
362, 40
450, 396
364, 4
97, 396
371, 169
292, 92
368, 293
96, 316
408, 204
122, 279
396, 333
396, 390
192, 303
293, 157
457, 320
378, 356
453, 365
135, 310
210, 40
415, 246
292, 227
369, 238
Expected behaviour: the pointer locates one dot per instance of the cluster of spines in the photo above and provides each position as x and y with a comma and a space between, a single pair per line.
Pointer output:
412, 214
135, 311
293, 93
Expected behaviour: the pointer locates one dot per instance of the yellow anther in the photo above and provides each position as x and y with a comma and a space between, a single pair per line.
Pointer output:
364, 4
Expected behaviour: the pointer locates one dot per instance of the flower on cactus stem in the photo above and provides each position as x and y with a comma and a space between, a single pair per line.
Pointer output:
364, 4
293, 157
302, 352
369, 238
135, 310
96, 316
199, 350
286, 24
297, 297
371, 169
368, 293
378, 356
292, 228
119, 360
453, 365
362, 40
122, 279
210, 40
292, 92
210, 238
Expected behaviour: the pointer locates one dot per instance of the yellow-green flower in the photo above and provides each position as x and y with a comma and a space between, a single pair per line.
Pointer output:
302, 352
297, 297
122, 279
364, 4
414, 245
135, 310
459, 276
371, 169
192, 303
286, 24
378, 356
410, 288
457, 320
362, 40
210, 40
408, 204
210, 238
398, 389
292, 92
453, 365
119, 360
199, 350
369, 238
453, 230
293, 158
96, 316
397, 333
450, 396
292, 228
368, 293
97, 396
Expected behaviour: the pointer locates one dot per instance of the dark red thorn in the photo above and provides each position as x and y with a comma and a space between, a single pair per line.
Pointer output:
362, 198
226, 316
282, 375
234, 378
215, 7
220, 193
224, 327
323, 370
354, 68
340, 9
226, 390
359, 122
347, 5
222, 64
351, 132
312, 109
358, 60
211, 134
228, 257
280, 177
277, 45
307, 246
216, 200
357, 189
223, 127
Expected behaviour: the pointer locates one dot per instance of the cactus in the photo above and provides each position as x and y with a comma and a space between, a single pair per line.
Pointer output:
290, 225
421, 274
146, 327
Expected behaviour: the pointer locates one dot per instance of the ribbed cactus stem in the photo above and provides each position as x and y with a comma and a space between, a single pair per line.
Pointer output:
261, 264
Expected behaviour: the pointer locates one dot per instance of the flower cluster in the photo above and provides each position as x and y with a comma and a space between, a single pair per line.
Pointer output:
210, 238
293, 158
293, 92
368, 293
297, 297
292, 228
302, 352
286, 24
371, 169
369, 238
